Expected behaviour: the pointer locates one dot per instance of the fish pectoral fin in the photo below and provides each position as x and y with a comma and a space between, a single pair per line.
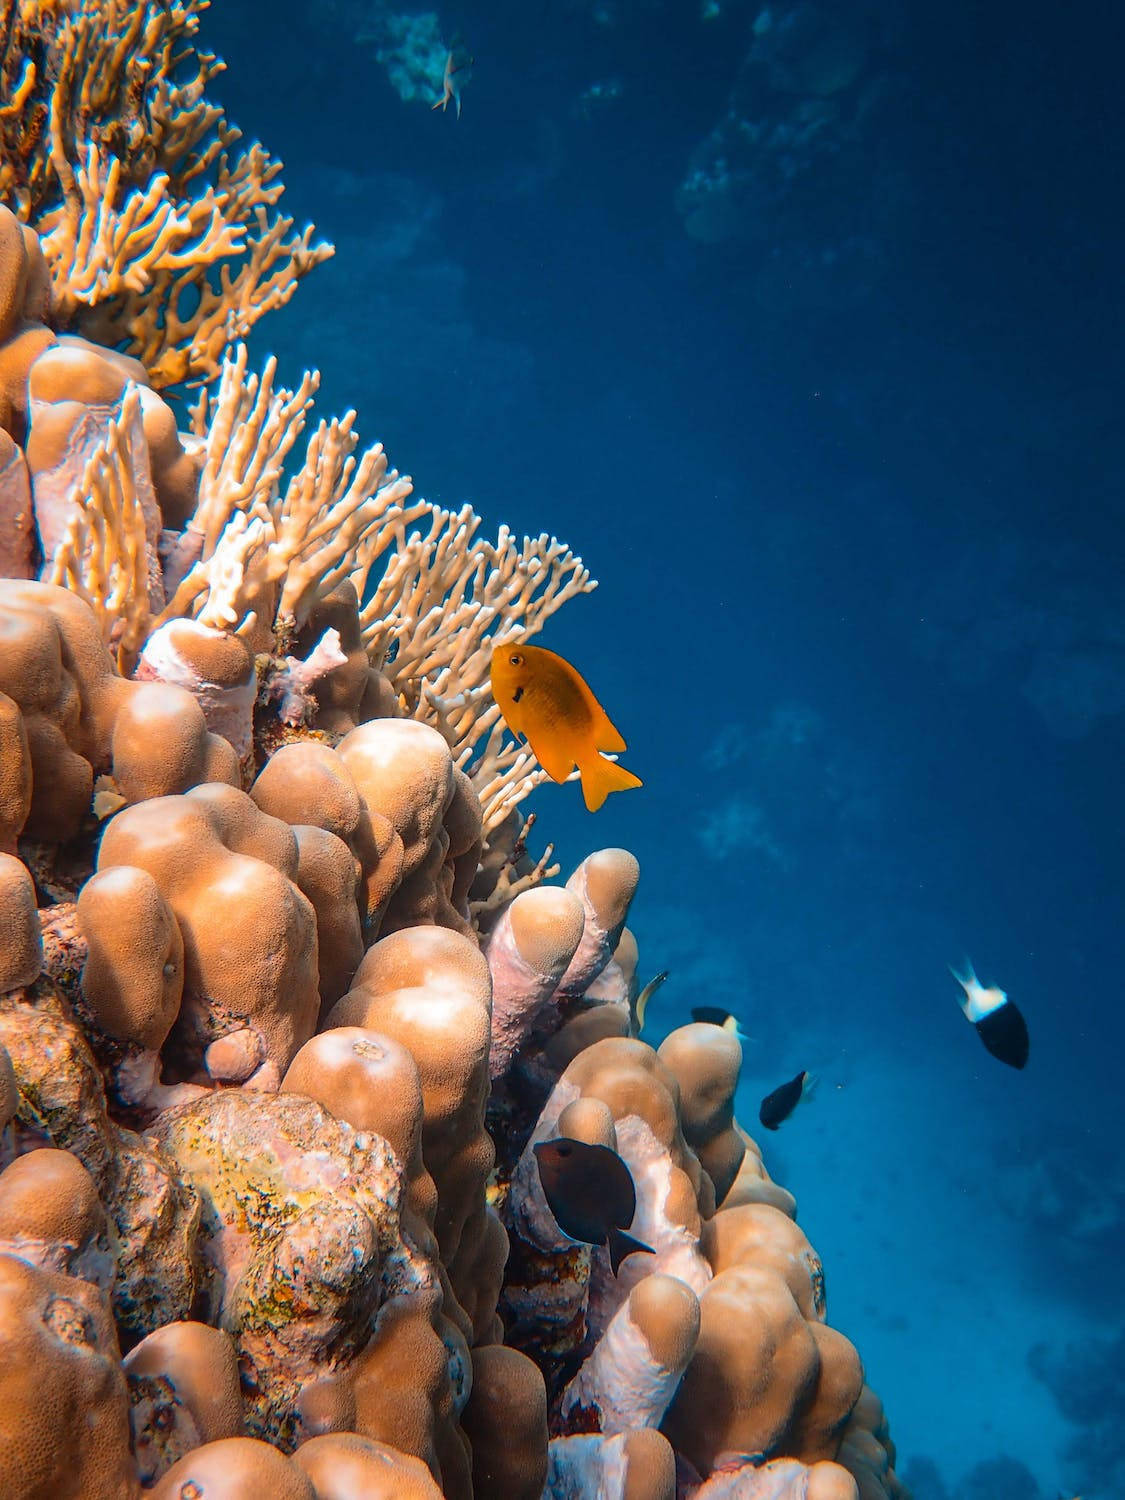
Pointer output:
965, 974
601, 776
514, 721
621, 1244
556, 760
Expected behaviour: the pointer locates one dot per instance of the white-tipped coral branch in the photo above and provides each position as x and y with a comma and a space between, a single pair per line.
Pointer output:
258, 551
259, 555
504, 773
248, 428
445, 600
157, 228
338, 516
108, 243
104, 557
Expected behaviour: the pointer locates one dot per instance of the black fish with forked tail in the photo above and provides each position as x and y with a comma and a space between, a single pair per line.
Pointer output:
590, 1191
778, 1106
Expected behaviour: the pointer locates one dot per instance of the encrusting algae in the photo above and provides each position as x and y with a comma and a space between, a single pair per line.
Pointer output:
288, 1013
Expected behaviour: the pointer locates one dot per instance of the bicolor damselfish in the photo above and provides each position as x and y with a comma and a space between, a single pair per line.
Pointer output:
996, 1019
778, 1106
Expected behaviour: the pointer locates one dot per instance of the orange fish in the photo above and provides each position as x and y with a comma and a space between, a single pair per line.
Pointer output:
544, 700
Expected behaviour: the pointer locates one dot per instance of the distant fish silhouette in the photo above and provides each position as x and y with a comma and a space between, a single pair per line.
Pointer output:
778, 1106
639, 1006
590, 1191
716, 1015
998, 1022
458, 71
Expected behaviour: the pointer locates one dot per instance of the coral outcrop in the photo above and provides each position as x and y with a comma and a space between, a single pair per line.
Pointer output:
285, 1004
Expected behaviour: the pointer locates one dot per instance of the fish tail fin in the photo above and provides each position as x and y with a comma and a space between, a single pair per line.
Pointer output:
734, 1026
964, 973
808, 1088
601, 776
621, 1244
965, 976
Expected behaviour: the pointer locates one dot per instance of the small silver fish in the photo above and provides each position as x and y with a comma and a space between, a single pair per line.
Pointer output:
638, 1006
457, 72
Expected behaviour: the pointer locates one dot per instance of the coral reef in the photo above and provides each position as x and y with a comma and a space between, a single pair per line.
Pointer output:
285, 1004
111, 150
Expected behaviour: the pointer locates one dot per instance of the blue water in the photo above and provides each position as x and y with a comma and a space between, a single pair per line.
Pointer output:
844, 447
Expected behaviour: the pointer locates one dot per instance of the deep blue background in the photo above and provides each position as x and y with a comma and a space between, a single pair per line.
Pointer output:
852, 483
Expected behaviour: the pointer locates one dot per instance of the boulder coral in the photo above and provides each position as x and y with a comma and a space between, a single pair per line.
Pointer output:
286, 1005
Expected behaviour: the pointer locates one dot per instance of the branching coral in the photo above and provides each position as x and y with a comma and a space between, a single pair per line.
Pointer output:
156, 227
266, 556
103, 557
154, 232
260, 555
256, 550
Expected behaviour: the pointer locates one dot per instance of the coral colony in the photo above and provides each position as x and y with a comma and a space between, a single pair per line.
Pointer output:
285, 1006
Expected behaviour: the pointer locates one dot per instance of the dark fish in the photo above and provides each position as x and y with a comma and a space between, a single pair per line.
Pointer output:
640, 1004
779, 1105
590, 1191
995, 1018
716, 1015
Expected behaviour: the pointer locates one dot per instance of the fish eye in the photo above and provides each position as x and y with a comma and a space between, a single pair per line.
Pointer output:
515, 660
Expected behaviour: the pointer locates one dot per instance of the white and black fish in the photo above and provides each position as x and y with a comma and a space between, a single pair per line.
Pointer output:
718, 1015
996, 1019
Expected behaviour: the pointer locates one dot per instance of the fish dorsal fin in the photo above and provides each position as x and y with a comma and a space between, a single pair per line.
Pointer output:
555, 758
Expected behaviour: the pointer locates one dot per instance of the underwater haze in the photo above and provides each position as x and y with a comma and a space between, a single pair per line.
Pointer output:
803, 324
